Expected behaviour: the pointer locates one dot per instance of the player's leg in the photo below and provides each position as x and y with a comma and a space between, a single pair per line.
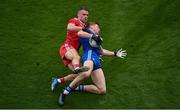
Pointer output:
72, 55
84, 75
99, 80
81, 76
99, 86
76, 81
69, 77
56, 81
71, 59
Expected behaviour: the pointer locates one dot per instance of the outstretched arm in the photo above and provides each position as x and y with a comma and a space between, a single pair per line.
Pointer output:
106, 52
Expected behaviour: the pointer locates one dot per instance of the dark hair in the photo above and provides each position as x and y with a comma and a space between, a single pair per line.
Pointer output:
83, 8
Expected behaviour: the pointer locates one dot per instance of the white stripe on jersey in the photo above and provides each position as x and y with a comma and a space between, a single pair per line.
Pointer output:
89, 54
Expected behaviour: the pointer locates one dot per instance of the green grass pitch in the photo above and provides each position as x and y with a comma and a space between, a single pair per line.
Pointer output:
31, 32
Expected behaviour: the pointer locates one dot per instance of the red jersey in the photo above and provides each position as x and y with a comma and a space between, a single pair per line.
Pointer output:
72, 36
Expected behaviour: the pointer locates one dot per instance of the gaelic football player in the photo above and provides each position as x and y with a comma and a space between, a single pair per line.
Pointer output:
69, 50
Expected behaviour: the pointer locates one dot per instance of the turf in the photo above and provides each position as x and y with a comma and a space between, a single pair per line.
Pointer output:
31, 32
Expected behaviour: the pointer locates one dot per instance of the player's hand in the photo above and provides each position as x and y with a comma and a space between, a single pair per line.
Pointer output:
120, 53
97, 38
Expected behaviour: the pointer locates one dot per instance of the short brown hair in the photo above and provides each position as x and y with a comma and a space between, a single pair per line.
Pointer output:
84, 8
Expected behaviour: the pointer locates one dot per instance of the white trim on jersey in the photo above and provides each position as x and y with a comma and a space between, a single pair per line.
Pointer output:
89, 54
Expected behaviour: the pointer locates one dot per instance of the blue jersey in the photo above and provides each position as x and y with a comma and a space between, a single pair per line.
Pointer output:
89, 52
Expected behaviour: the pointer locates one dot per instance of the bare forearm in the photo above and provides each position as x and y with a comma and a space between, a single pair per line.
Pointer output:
107, 52
84, 34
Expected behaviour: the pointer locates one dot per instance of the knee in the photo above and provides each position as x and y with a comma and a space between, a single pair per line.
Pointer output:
77, 57
102, 90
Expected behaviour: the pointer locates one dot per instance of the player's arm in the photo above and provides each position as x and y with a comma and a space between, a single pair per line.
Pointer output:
106, 52
118, 53
83, 34
73, 27
95, 37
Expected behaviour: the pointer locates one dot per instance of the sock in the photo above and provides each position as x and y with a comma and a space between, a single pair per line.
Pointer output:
67, 90
80, 88
76, 66
61, 80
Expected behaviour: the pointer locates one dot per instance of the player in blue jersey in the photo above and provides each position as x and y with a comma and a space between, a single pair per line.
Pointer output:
91, 58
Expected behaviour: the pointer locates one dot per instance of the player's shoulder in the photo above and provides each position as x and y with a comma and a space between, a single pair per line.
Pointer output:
73, 20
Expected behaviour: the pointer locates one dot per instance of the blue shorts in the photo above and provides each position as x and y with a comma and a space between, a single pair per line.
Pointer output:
90, 55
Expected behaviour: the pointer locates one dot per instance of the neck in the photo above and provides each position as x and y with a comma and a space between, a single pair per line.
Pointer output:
80, 20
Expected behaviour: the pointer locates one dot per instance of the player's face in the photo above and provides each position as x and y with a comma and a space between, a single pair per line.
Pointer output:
83, 15
95, 28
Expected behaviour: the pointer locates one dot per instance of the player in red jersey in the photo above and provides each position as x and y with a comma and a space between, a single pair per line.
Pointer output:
69, 50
